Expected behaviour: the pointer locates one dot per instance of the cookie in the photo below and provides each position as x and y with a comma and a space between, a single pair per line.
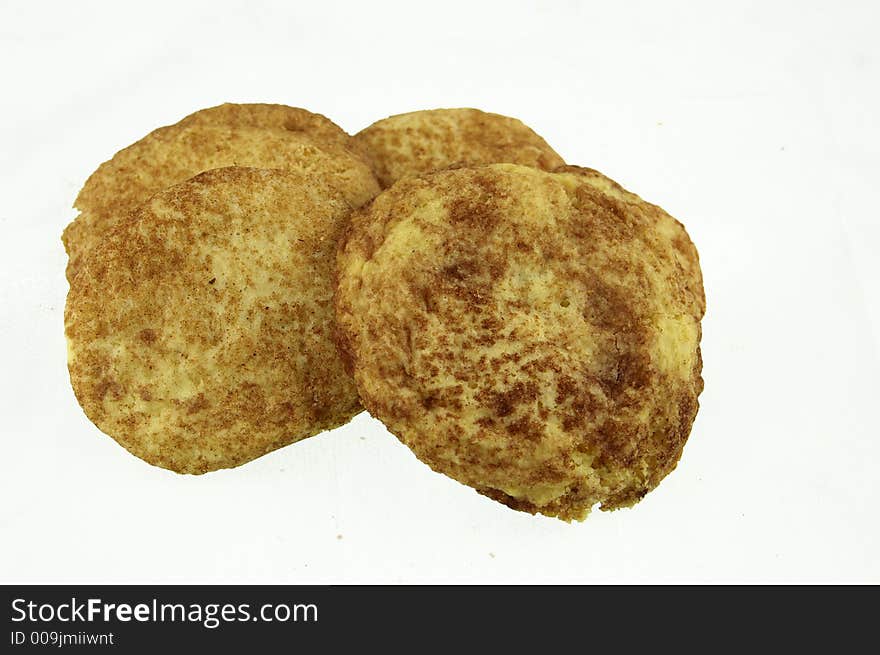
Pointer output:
532, 334
425, 141
173, 154
293, 119
200, 332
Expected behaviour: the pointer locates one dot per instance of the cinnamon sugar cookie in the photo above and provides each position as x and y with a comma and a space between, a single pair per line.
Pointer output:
199, 333
425, 141
293, 119
532, 334
173, 154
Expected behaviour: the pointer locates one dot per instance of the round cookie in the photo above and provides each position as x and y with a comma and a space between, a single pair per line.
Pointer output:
200, 333
175, 153
534, 335
431, 140
282, 117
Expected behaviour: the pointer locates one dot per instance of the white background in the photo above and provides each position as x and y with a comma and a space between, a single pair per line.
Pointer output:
754, 123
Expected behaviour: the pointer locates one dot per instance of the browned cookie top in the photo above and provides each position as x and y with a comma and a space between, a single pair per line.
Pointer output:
293, 119
200, 332
534, 335
425, 141
173, 154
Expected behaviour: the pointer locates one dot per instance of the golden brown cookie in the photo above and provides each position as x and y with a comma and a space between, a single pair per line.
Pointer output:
282, 117
173, 154
532, 334
431, 140
199, 333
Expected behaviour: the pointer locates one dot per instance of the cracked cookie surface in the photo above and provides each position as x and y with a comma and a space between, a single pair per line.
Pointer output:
200, 333
436, 139
534, 335
172, 154
283, 117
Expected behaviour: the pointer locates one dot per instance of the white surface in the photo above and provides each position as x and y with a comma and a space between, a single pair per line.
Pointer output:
756, 125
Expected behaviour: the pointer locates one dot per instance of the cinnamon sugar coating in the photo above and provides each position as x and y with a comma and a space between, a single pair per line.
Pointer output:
172, 154
532, 334
431, 140
200, 332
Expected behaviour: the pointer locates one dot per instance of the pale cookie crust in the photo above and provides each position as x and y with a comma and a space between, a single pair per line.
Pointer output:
534, 335
200, 333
